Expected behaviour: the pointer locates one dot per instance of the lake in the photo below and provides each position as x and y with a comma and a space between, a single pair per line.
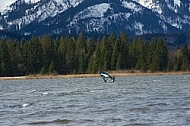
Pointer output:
129, 101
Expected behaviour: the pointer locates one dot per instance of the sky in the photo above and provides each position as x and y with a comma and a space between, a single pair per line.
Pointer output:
4, 3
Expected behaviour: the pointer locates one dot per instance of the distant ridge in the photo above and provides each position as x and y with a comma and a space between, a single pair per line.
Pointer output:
96, 17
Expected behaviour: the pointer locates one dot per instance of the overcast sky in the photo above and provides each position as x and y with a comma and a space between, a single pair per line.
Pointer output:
4, 3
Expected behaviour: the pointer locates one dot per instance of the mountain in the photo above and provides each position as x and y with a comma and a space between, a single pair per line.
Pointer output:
62, 17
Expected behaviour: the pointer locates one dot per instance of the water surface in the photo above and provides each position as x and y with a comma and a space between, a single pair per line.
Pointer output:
130, 101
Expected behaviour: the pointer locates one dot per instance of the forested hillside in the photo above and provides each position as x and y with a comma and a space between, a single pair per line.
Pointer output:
67, 55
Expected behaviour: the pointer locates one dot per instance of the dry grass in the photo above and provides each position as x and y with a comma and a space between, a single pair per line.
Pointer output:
113, 73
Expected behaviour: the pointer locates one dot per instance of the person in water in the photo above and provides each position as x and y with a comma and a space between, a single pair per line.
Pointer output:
113, 78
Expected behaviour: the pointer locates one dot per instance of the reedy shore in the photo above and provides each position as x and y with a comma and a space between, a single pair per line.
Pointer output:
115, 73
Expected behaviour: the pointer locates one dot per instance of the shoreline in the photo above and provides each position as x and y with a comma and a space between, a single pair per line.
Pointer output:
116, 74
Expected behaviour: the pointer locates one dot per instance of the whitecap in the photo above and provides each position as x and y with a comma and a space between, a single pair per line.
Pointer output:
25, 105
45, 93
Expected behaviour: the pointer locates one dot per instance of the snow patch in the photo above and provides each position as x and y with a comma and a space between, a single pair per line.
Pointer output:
150, 4
127, 15
1, 27
5, 3
32, 1
177, 2
75, 3
145, 2
138, 28
173, 5
93, 11
132, 6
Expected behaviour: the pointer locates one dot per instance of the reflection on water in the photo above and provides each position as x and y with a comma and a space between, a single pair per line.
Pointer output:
131, 101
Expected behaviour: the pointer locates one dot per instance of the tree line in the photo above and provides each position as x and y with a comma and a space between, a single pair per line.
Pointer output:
69, 55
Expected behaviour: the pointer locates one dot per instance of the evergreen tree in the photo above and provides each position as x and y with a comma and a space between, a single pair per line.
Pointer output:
57, 60
34, 58
150, 54
162, 51
81, 54
61, 59
170, 65
48, 51
11, 49
142, 55
18, 64
24, 50
184, 55
157, 59
116, 51
133, 53
96, 58
70, 56
91, 69
178, 63
104, 55
51, 68
124, 48
5, 61
56, 43
91, 46
119, 61
111, 43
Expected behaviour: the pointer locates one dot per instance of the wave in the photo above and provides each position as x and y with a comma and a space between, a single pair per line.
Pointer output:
57, 121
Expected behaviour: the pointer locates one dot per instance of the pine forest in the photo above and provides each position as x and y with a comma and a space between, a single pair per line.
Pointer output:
70, 55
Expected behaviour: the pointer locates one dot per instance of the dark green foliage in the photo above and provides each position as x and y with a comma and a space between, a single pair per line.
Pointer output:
115, 55
48, 54
124, 52
34, 59
5, 61
61, 55
81, 63
66, 55
91, 46
162, 53
96, 58
70, 56
150, 55
133, 54
142, 56
51, 68
111, 41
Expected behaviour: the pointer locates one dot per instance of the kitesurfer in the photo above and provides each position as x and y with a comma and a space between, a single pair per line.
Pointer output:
105, 76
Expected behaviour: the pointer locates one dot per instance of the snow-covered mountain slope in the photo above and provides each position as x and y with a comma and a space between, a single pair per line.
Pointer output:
5, 4
156, 4
175, 12
137, 17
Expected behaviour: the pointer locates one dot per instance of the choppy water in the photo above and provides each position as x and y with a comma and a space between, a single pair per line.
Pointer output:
130, 101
